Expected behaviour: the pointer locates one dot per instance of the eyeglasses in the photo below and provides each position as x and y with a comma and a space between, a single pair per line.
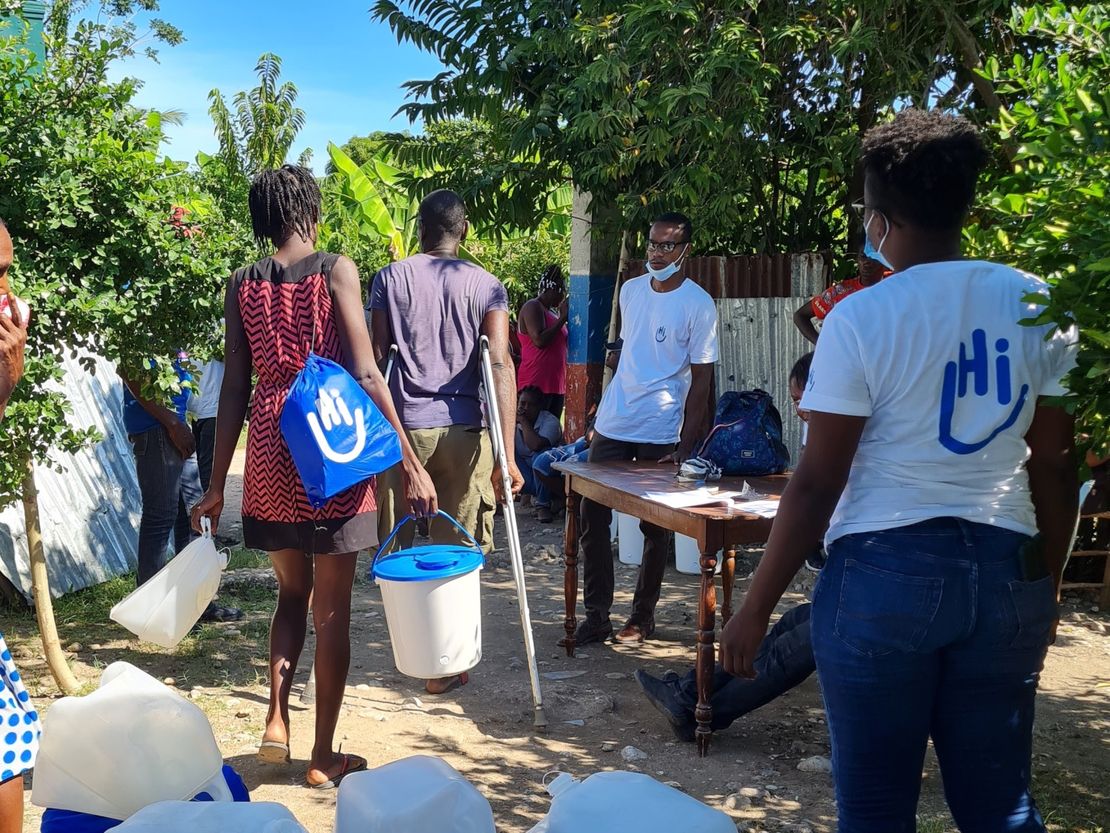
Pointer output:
666, 247
860, 210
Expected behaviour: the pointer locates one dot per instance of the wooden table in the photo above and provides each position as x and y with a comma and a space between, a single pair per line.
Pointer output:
621, 487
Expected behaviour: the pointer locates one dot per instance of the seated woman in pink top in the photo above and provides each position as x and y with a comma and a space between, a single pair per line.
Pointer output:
543, 342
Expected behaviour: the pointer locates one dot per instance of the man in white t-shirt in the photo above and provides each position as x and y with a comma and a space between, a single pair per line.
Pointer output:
653, 411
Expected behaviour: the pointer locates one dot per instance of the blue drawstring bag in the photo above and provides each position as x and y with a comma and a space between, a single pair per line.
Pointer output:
335, 433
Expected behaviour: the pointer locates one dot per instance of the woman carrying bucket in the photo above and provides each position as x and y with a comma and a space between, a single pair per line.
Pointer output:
278, 310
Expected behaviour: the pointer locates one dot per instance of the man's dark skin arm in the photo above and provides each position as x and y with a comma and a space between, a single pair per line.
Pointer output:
803, 320
1053, 483
697, 413
532, 317
381, 334
180, 436
495, 327
531, 439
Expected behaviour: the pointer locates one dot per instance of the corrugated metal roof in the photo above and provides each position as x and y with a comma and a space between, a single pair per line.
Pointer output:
758, 346
754, 276
89, 511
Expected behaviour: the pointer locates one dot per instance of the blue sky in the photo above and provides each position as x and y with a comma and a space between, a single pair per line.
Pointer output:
348, 68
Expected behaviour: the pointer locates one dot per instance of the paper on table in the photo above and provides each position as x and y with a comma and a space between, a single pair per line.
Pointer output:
692, 497
762, 508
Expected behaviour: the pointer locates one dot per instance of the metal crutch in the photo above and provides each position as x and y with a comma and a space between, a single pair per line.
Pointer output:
512, 532
308, 694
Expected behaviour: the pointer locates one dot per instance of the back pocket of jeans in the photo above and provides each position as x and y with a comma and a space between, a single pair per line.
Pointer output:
1035, 610
883, 612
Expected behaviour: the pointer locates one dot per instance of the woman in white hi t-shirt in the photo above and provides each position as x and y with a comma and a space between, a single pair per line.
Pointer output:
948, 487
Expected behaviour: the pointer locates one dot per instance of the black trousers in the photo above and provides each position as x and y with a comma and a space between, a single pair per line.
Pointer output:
596, 547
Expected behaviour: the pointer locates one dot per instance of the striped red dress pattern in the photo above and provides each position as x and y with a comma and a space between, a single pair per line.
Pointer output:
284, 310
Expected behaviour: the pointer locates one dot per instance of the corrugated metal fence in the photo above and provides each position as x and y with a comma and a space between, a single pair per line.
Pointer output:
756, 298
90, 510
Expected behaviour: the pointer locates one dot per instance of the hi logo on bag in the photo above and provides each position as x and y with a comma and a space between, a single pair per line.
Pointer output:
332, 413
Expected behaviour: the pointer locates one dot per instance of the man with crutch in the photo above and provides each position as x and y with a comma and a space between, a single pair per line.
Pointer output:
435, 307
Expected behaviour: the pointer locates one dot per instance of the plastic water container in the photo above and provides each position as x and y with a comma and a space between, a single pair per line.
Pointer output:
687, 556
630, 539
626, 802
207, 817
613, 527
131, 743
420, 794
165, 608
433, 605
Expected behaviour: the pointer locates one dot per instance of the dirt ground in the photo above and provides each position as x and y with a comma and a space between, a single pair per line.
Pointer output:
593, 704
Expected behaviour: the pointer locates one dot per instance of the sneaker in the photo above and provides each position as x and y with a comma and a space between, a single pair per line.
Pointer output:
697, 470
816, 561
219, 613
589, 632
663, 694
634, 634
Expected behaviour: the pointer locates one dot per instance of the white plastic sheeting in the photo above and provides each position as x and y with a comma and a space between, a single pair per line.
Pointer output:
89, 511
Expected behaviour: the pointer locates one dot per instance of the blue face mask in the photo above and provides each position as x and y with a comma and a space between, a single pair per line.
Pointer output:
873, 253
667, 271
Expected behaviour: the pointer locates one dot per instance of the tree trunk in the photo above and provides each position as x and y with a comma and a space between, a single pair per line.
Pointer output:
615, 312
40, 588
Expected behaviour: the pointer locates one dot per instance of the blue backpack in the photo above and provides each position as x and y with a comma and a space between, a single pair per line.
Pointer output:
747, 435
335, 433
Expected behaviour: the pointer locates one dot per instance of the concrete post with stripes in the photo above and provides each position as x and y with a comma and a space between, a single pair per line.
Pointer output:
594, 251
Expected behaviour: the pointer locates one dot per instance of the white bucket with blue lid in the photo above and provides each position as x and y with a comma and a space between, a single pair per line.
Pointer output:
433, 604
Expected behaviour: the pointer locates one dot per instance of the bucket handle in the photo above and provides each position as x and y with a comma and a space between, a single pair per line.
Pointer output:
410, 517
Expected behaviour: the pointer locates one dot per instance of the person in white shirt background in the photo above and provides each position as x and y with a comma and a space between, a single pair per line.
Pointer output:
654, 409
947, 478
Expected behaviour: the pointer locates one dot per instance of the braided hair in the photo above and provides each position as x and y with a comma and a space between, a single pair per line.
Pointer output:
284, 202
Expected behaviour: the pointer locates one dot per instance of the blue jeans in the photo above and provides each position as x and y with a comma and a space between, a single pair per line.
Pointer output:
169, 487
785, 659
542, 463
923, 631
576, 452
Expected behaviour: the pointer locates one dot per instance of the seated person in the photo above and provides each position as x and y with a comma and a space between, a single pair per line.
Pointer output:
870, 273
785, 656
785, 660
536, 431
543, 464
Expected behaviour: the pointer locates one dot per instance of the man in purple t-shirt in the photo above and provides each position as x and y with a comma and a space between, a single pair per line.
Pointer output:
434, 307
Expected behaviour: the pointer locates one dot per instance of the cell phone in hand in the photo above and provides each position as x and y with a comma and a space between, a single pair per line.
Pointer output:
6, 309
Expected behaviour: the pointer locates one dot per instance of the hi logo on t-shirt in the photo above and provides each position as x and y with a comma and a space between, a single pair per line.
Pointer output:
976, 370
661, 334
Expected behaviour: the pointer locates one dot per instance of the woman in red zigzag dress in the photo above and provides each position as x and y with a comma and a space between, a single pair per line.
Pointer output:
276, 311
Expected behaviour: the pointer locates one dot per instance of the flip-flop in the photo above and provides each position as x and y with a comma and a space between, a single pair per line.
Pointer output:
458, 681
273, 752
351, 763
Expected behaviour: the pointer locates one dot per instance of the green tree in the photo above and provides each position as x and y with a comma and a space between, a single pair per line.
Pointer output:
747, 114
259, 133
99, 256
1049, 213
361, 149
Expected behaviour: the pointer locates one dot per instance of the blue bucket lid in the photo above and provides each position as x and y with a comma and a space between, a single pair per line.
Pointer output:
428, 563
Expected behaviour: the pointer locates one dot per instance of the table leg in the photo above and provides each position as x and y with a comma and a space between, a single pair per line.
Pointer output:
570, 574
707, 620
728, 575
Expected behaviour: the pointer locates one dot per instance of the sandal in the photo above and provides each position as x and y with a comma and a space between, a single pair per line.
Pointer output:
457, 681
273, 752
351, 763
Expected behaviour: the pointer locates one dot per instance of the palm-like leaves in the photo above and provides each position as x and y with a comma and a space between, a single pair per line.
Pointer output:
259, 133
